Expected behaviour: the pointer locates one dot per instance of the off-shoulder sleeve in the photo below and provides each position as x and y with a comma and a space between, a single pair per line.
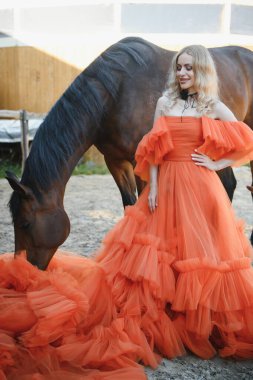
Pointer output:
227, 139
153, 148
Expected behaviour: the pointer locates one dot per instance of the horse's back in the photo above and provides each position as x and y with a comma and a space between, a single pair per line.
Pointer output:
234, 67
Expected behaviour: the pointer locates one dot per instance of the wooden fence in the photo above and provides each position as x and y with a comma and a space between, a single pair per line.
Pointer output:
91, 155
24, 118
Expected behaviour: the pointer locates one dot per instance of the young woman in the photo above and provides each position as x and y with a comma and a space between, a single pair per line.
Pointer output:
183, 269
174, 274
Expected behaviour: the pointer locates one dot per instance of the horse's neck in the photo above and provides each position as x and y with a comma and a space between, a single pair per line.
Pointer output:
54, 192
54, 165
75, 158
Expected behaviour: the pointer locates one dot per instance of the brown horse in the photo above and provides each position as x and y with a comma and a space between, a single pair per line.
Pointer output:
110, 105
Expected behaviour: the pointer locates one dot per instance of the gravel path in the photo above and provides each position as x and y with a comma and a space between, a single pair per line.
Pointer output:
93, 204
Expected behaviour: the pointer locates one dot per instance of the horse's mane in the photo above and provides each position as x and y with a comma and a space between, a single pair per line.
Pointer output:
63, 130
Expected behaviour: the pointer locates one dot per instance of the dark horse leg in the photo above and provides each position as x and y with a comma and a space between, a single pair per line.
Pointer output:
251, 189
122, 172
228, 180
140, 184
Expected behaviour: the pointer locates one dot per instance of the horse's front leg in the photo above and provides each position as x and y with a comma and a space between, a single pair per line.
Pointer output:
228, 180
250, 188
122, 172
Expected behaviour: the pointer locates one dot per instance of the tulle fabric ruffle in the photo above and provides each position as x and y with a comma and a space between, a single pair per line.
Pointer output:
227, 139
61, 323
152, 148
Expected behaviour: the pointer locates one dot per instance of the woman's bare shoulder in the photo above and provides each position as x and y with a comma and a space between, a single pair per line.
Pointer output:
160, 107
162, 101
222, 112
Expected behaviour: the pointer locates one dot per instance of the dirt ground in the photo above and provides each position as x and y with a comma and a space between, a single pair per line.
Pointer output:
93, 204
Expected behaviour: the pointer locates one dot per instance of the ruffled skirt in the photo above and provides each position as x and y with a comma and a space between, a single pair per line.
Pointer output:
184, 272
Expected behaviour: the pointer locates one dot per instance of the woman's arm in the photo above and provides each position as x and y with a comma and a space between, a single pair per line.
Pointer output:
152, 197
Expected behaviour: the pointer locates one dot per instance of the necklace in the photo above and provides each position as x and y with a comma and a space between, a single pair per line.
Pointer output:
189, 100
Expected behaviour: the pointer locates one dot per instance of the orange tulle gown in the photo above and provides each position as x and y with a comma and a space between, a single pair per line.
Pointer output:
179, 278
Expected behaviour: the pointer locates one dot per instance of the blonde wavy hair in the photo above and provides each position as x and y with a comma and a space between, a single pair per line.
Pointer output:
206, 81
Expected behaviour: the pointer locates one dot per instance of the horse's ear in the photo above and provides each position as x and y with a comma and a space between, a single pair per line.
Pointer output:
17, 186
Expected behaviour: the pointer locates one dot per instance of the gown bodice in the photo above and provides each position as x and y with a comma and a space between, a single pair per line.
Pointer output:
186, 134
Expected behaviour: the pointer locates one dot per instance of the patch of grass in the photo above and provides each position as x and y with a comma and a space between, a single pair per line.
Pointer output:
12, 167
89, 168
85, 168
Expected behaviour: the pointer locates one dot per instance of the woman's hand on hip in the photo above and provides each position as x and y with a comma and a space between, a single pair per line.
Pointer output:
201, 159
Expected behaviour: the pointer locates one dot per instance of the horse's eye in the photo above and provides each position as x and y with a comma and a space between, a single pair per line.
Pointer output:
25, 225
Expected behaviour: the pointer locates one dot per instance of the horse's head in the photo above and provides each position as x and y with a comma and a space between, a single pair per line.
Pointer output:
40, 223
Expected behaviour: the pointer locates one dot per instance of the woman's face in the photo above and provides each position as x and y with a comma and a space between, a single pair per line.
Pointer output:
185, 74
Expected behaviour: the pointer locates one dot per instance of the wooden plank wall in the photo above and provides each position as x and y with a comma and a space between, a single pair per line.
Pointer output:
9, 94
31, 79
